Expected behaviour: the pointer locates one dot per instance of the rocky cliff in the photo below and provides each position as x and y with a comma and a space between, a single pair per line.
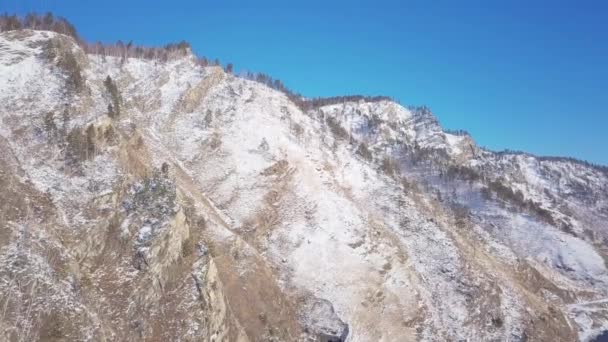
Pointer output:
163, 200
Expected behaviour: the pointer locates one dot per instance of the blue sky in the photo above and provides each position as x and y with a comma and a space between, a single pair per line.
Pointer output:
524, 75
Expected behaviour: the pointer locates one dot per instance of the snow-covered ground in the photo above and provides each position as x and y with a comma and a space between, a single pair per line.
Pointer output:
339, 239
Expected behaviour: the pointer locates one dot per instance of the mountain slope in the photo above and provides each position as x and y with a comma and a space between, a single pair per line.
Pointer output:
164, 200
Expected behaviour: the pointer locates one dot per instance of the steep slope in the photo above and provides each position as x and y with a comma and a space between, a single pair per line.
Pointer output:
202, 206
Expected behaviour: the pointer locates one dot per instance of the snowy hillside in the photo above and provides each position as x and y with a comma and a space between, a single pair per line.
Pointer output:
156, 200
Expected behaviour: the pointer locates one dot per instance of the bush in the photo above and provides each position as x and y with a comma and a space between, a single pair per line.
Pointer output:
47, 22
307, 104
229, 68
457, 132
462, 172
71, 67
389, 166
50, 126
337, 130
156, 194
364, 152
80, 145
374, 122
114, 107
516, 198
187, 248
60, 52
461, 214
506, 193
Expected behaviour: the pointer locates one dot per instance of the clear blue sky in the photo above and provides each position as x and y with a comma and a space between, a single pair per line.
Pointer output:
525, 75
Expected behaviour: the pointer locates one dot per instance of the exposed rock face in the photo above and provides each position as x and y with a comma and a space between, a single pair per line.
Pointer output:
321, 319
213, 208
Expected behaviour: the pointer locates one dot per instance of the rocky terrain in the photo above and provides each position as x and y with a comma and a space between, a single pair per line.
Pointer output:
164, 200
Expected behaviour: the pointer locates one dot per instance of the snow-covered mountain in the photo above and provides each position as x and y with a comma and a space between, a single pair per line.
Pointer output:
168, 201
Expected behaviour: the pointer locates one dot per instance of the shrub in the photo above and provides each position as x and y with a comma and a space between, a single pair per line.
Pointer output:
364, 152
462, 172
164, 169
506, 193
60, 52
461, 214
229, 68
337, 130
75, 79
114, 107
307, 104
50, 126
457, 132
80, 145
389, 166
187, 247
156, 194
374, 122
497, 322
298, 131
516, 198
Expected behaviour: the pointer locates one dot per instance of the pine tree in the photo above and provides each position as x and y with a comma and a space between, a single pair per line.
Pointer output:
114, 107
229, 68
